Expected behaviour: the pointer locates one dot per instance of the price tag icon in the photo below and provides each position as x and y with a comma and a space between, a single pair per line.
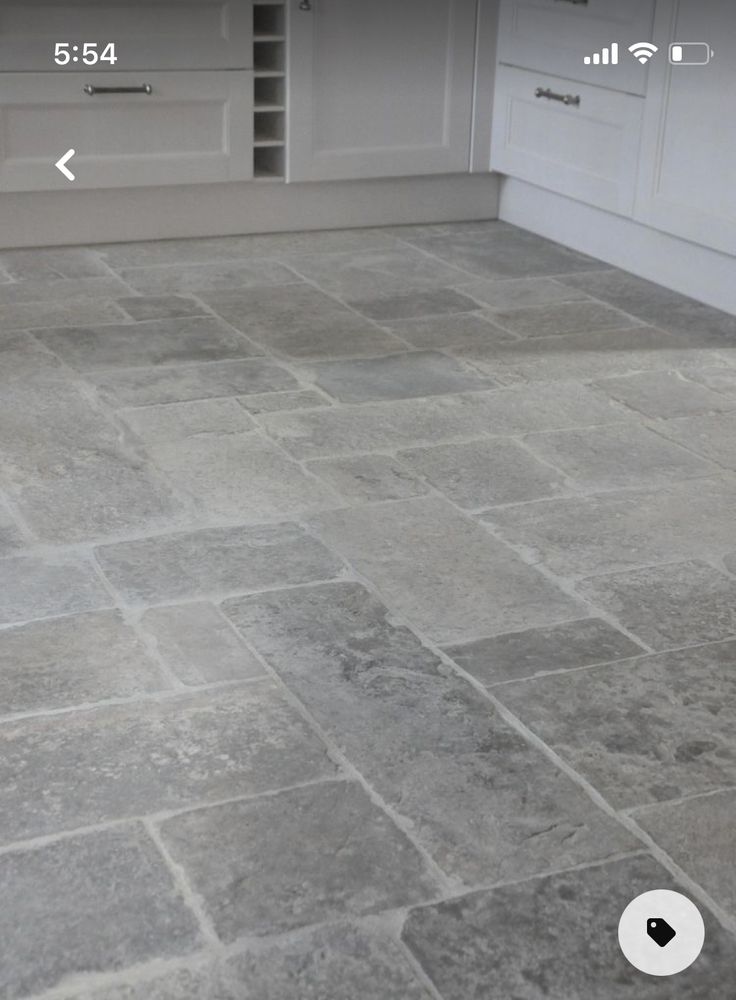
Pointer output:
660, 931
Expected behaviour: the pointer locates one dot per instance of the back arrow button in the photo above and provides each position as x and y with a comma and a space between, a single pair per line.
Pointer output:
62, 164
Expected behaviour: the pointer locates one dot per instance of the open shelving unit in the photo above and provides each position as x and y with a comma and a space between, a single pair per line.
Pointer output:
269, 107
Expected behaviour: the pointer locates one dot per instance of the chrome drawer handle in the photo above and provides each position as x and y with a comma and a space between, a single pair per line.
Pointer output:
552, 96
92, 90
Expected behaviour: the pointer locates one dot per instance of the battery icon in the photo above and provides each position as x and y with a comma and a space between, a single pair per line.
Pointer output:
690, 53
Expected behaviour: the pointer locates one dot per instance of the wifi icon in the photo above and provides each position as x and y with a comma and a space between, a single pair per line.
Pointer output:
643, 51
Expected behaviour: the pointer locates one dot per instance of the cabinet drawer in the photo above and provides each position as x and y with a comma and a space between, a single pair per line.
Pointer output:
192, 128
586, 151
148, 34
553, 36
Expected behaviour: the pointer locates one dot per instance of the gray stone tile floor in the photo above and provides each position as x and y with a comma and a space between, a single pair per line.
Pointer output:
367, 621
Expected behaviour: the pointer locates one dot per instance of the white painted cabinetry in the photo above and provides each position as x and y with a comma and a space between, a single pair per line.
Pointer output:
380, 88
687, 182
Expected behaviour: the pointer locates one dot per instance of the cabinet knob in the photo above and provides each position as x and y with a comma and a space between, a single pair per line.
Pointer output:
305, 5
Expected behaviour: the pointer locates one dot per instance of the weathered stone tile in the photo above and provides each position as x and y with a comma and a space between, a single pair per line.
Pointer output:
70, 472
64, 771
644, 730
11, 539
71, 661
455, 330
276, 402
674, 605
536, 651
52, 264
563, 318
503, 251
375, 273
604, 458
481, 801
368, 477
217, 560
714, 437
722, 380
442, 570
655, 304
198, 644
196, 251
144, 307
156, 342
94, 903
398, 424
56, 292
666, 394
39, 315
519, 293
36, 588
398, 376
698, 836
420, 302
483, 473
211, 458
608, 533
177, 422
508, 942
301, 322
587, 355
298, 858
181, 383
337, 961
182, 278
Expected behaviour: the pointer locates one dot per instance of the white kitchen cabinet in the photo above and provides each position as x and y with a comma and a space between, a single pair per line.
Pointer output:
380, 88
148, 34
687, 183
554, 36
567, 137
191, 128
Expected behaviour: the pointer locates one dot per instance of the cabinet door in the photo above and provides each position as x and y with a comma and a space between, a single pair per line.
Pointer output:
192, 128
687, 183
380, 88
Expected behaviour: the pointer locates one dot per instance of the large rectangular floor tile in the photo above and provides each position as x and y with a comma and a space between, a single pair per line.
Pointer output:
667, 394
556, 938
298, 858
714, 437
483, 473
398, 376
227, 473
482, 802
698, 834
143, 386
553, 320
155, 342
215, 561
199, 645
365, 478
52, 264
519, 293
89, 904
182, 278
644, 730
674, 605
419, 302
73, 660
143, 307
32, 587
535, 651
65, 771
277, 402
302, 322
609, 458
39, 315
56, 292
608, 533
404, 423
455, 330
443, 571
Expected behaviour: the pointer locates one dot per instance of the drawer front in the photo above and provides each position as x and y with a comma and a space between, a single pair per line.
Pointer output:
587, 151
554, 36
192, 128
148, 34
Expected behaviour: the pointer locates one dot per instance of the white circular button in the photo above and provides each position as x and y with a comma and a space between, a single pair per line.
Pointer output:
661, 932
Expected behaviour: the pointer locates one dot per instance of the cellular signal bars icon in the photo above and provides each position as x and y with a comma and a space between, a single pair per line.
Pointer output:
608, 57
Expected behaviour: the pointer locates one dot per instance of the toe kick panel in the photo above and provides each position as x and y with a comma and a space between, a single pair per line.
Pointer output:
127, 129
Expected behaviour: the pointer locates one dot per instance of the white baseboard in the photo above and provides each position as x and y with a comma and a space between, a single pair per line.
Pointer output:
703, 274
57, 218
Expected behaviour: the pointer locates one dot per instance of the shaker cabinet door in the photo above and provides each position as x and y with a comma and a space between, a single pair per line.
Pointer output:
380, 88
